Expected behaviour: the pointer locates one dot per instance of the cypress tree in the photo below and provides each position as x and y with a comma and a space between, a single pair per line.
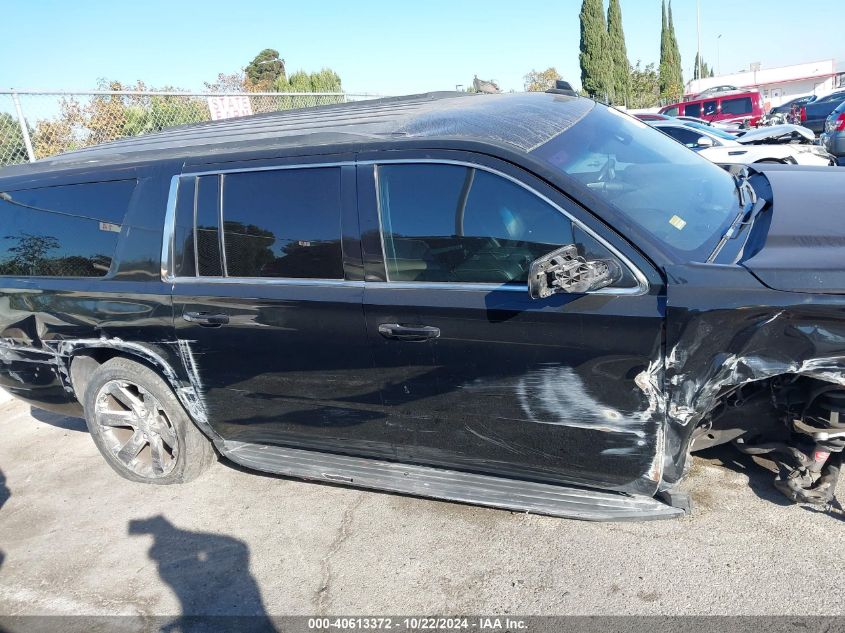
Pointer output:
596, 71
619, 54
677, 71
664, 69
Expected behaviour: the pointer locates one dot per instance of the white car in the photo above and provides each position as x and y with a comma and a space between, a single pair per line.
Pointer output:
788, 144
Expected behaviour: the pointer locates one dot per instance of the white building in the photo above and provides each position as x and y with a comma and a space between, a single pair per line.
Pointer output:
778, 85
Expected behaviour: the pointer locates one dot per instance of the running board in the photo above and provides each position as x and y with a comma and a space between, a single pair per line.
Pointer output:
450, 485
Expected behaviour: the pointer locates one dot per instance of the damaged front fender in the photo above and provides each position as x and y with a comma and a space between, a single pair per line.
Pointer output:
727, 330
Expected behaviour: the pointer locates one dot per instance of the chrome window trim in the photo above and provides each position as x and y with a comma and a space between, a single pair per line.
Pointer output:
167, 236
167, 251
642, 282
271, 281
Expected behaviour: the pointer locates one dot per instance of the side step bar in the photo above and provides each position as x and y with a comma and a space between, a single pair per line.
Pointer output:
451, 485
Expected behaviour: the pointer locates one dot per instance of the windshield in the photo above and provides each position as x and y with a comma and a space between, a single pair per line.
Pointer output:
711, 130
677, 197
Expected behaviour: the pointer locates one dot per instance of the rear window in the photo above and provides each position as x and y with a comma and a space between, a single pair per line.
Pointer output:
741, 105
63, 231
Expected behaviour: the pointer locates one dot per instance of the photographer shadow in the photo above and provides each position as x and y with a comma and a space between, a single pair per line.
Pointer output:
209, 573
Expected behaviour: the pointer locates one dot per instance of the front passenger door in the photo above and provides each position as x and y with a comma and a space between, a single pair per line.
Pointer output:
487, 379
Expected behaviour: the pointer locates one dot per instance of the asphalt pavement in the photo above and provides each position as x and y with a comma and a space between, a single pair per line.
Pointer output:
77, 539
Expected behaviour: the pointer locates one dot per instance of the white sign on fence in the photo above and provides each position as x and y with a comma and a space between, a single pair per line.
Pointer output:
228, 107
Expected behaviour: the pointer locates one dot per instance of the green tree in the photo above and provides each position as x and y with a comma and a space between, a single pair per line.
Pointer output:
671, 76
264, 70
541, 80
677, 70
704, 69
595, 57
618, 54
644, 87
12, 147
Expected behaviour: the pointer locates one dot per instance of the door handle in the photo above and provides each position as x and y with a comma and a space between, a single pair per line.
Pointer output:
205, 319
408, 332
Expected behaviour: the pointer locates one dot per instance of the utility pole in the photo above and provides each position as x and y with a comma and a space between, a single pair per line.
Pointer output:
698, 29
718, 63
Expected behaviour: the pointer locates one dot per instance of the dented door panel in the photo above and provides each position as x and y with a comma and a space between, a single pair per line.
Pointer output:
557, 390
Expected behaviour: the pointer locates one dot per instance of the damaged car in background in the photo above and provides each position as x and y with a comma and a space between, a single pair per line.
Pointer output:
527, 301
786, 144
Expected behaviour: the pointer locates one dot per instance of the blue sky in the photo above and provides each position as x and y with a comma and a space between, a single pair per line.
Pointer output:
387, 47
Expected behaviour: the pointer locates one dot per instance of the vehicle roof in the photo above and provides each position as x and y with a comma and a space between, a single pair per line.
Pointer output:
521, 121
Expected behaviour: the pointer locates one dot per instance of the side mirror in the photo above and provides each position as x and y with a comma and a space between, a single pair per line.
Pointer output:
704, 141
564, 270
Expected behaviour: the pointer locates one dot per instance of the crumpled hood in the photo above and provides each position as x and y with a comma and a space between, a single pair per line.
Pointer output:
775, 133
804, 249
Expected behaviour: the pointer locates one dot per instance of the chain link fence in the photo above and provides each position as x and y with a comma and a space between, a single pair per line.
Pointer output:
35, 125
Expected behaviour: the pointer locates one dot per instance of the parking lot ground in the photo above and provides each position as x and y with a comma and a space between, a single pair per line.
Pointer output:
77, 539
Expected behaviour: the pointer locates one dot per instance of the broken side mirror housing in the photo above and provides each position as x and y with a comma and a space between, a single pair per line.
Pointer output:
564, 270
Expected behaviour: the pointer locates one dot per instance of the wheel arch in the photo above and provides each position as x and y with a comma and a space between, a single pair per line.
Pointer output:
173, 362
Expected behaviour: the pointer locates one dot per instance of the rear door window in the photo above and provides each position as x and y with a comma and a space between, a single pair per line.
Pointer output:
710, 108
741, 105
693, 109
283, 223
62, 231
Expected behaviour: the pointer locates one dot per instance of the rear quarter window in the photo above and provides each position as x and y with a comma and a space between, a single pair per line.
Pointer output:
693, 109
62, 231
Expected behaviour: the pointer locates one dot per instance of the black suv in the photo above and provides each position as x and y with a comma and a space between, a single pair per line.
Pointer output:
527, 301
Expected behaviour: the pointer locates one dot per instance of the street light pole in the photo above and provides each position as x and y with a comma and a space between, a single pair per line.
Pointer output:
698, 29
718, 63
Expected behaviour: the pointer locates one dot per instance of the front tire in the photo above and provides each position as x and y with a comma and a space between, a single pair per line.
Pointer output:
140, 427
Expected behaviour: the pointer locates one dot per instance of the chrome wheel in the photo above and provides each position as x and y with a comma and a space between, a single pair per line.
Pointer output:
136, 429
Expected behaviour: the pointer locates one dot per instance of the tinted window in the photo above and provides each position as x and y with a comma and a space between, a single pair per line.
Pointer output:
450, 223
208, 226
736, 106
709, 108
66, 231
283, 223
693, 109
183, 231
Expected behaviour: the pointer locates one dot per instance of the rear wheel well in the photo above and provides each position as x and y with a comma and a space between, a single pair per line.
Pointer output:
84, 362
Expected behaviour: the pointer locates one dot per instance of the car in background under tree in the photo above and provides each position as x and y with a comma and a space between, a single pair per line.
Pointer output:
528, 301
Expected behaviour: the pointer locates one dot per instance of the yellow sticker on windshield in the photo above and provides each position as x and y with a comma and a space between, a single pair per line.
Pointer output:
677, 222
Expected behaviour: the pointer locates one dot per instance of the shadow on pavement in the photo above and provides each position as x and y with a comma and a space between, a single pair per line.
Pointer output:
58, 420
760, 477
209, 573
5, 493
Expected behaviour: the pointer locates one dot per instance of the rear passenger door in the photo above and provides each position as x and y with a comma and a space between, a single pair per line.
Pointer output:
267, 300
482, 376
